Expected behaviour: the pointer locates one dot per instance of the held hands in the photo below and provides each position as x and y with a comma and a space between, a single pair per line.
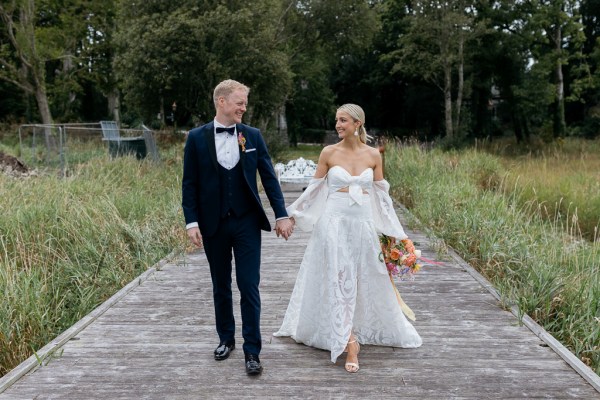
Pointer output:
284, 227
195, 237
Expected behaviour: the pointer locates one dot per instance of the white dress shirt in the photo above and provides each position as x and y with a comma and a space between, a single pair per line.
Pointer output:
228, 149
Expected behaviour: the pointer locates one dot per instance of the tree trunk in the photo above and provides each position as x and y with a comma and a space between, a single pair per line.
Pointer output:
448, 98
114, 105
163, 121
282, 128
559, 109
67, 68
461, 79
42, 103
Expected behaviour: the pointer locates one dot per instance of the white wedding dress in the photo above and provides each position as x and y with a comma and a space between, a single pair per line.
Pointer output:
342, 285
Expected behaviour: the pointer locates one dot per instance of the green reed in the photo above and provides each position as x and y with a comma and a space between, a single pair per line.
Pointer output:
536, 260
563, 177
66, 245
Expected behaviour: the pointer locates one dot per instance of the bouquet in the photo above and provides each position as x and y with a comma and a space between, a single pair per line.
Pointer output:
400, 257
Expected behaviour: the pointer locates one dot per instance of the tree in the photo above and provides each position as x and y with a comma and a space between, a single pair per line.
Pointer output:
181, 52
22, 62
557, 33
322, 38
78, 37
55, 49
433, 49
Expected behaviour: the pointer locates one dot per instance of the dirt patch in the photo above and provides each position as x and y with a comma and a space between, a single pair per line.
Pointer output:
12, 166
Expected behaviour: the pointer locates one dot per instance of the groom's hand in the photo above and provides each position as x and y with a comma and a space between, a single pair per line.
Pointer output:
284, 227
195, 236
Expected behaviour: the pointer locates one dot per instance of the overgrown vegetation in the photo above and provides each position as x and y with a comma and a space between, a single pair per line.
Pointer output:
484, 207
66, 245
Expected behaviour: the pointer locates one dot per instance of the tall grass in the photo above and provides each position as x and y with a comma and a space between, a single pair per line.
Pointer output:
66, 245
563, 178
541, 264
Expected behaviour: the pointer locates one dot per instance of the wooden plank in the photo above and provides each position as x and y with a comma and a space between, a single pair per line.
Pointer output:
156, 342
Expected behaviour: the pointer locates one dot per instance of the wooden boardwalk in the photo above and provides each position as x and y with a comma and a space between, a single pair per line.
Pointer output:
155, 340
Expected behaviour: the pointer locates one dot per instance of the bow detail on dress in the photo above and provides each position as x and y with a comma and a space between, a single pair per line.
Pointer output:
355, 191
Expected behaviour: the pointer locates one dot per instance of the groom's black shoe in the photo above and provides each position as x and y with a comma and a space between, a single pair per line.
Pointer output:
253, 366
224, 350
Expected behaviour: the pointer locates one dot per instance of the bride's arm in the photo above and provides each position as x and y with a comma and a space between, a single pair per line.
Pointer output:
307, 209
384, 215
323, 163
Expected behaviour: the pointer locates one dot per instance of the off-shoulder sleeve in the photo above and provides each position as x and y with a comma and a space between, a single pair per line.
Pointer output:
384, 216
307, 209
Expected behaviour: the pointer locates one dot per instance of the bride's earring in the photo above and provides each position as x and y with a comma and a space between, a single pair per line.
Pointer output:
356, 132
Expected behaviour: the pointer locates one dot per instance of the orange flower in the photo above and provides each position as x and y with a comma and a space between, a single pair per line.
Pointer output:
408, 245
395, 254
410, 260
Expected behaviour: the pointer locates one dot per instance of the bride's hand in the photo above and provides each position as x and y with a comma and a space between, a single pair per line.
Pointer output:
284, 227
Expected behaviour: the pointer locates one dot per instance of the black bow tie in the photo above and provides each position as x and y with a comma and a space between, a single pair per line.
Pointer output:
231, 130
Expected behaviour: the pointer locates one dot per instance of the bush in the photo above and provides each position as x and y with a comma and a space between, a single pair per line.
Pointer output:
276, 142
310, 135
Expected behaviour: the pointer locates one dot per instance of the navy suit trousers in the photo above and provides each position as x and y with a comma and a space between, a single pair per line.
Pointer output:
241, 235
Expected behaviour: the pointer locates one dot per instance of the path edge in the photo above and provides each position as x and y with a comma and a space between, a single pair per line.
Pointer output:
579, 366
36, 359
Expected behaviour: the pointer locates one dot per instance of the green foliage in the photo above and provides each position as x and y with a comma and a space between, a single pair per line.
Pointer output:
66, 245
276, 143
322, 37
534, 259
401, 60
59, 46
182, 52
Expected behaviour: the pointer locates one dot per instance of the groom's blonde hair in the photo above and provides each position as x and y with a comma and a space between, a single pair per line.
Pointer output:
227, 87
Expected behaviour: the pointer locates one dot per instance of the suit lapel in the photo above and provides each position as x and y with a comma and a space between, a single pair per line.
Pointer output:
209, 136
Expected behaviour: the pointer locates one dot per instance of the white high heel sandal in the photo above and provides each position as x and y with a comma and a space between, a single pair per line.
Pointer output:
350, 366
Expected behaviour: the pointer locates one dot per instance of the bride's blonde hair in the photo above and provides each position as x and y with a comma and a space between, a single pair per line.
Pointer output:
357, 114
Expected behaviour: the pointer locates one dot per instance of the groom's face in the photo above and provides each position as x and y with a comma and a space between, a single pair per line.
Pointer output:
232, 108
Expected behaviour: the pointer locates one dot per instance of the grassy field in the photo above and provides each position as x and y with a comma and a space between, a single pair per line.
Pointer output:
499, 213
66, 245
561, 179
306, 151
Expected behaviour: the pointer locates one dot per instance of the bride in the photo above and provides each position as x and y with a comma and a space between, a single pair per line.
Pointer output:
343, 295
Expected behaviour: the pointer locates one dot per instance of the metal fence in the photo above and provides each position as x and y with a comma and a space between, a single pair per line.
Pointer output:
60, 146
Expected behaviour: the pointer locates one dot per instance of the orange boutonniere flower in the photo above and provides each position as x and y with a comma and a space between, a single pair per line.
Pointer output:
242, 141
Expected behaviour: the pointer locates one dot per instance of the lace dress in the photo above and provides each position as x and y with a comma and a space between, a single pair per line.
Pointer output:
342, 286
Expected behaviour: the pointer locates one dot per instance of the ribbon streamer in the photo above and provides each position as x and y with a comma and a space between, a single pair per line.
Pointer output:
428, 261
405, 309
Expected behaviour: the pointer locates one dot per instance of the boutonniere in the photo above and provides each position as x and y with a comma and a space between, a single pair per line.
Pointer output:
242, 141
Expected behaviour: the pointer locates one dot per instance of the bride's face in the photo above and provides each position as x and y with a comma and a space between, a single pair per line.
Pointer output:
345, 125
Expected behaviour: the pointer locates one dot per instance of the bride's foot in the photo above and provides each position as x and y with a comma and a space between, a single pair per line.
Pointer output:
353, 348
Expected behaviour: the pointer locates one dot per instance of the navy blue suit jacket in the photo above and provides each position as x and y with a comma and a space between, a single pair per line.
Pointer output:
200, 188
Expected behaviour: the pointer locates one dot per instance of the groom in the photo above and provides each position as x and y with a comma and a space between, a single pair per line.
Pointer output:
223, 210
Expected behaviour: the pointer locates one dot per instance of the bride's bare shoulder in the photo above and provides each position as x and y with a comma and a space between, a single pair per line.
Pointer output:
373, 151
327, 152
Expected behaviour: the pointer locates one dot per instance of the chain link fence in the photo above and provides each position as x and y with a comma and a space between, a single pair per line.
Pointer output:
59, 146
